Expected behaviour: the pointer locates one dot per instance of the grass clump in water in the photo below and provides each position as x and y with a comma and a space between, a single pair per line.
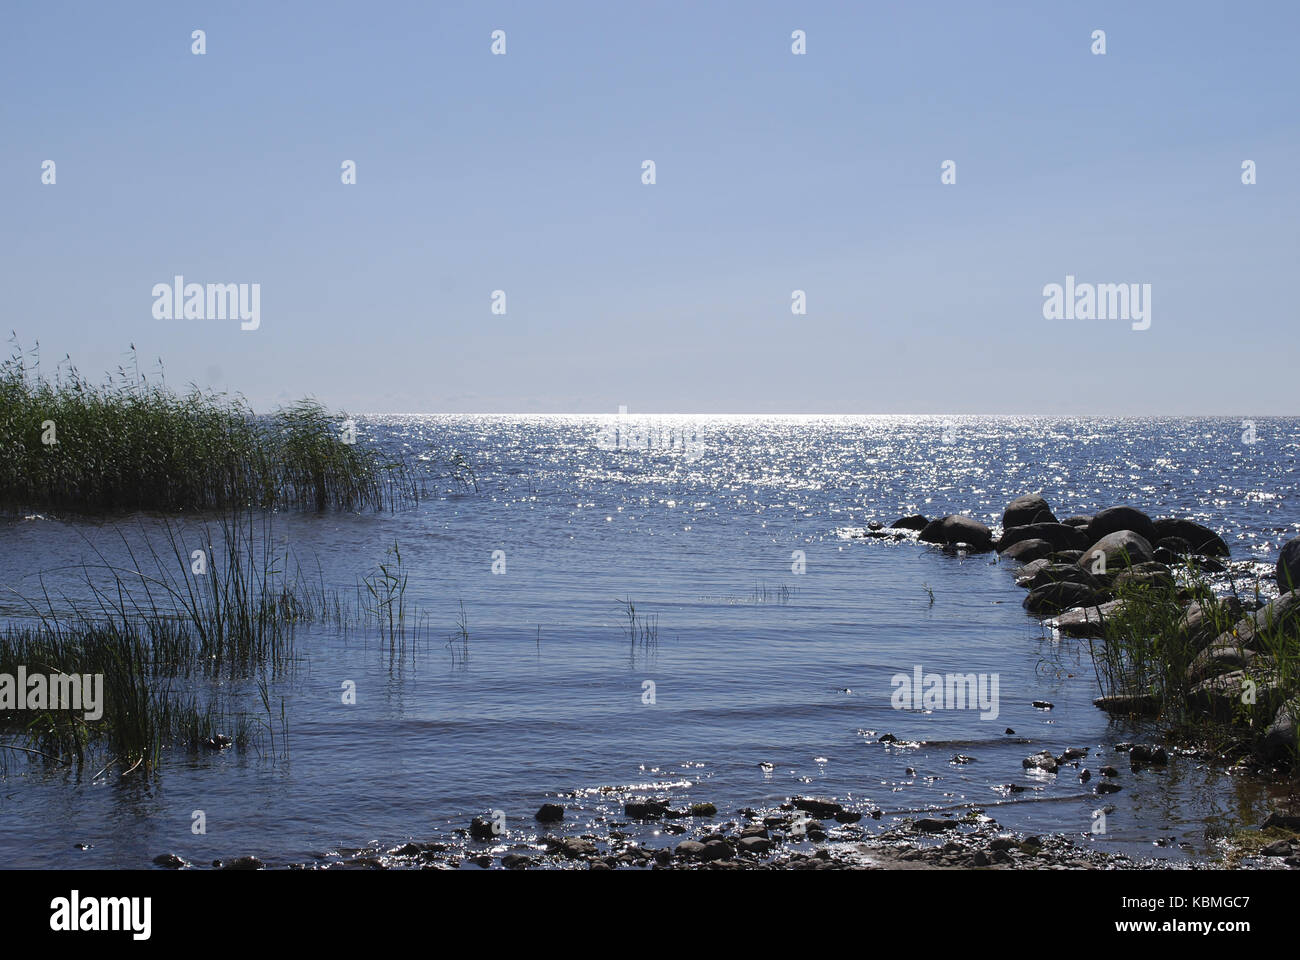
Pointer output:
130, 443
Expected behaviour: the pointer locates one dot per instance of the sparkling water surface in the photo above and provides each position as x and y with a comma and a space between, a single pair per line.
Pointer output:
767, 683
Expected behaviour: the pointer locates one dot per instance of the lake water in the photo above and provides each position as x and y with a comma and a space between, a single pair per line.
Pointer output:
697, 522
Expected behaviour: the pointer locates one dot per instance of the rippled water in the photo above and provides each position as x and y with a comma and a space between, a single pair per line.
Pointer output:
754, 664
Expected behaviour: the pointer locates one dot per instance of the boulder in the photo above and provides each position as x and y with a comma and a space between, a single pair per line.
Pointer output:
1200, 538
1080, 521
1026, 574
1025, 510
1086, 621
1115, 519
1288, 566
1282, 612
914, 522
955, 528
1221, 696
1062, 573
549, 813
1023, 551
1279, 743
1151, 576
1122, 548
1199, 624
1218, 659
1056, 597
1058, 535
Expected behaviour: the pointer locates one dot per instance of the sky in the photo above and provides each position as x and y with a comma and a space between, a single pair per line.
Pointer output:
775, 172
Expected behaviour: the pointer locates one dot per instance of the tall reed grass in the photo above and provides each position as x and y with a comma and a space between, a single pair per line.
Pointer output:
130, 443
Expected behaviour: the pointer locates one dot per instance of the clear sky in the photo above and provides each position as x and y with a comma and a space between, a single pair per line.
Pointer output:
775, 172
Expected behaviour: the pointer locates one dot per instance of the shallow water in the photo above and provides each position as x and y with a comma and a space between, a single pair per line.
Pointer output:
753, 663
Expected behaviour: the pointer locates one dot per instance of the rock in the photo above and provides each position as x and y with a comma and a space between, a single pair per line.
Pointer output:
1279, 848
1077, 521
914, 522
689, 849
1026, 574
576, 847
1086, 621
1060, 536
1199, 538
1055, 597
1119, 549
818, 808
703, 810
1105, 787
515, 861
1042, 704
955, 528
481, 829
1040, 761
1288, 566
645, 809
980, 859
1024, 551
243, 863
1279, 744
755, 845
1283, 612
1115, 519
1148, 753
1221, 696
1024, 510
1062, 573
933, 825
1144, 576
170, 861
715, 850
1129, 705
1198, 627
848, 816
549, 813
1217, 659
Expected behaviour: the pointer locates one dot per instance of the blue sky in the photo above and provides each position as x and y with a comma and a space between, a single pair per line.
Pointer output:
775, 172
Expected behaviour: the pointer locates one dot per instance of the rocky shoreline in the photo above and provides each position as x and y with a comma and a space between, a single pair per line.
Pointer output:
805, 833
1086, 570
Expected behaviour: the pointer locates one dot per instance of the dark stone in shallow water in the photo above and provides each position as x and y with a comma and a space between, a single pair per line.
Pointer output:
1115, 519
818, 808
1199, 538
914, 522
1026, 551
1060, 536
243, 863
958, 529
1288, 566
1023, 510
481, 829
1057, 597
549, 813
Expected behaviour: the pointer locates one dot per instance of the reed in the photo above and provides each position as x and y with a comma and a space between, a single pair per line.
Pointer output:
130, 443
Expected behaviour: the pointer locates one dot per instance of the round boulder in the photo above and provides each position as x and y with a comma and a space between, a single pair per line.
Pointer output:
1123, 548
1200, 538
1115, 519
1023, 551
955, 528
1026, 509
1288, 566
1057, 597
